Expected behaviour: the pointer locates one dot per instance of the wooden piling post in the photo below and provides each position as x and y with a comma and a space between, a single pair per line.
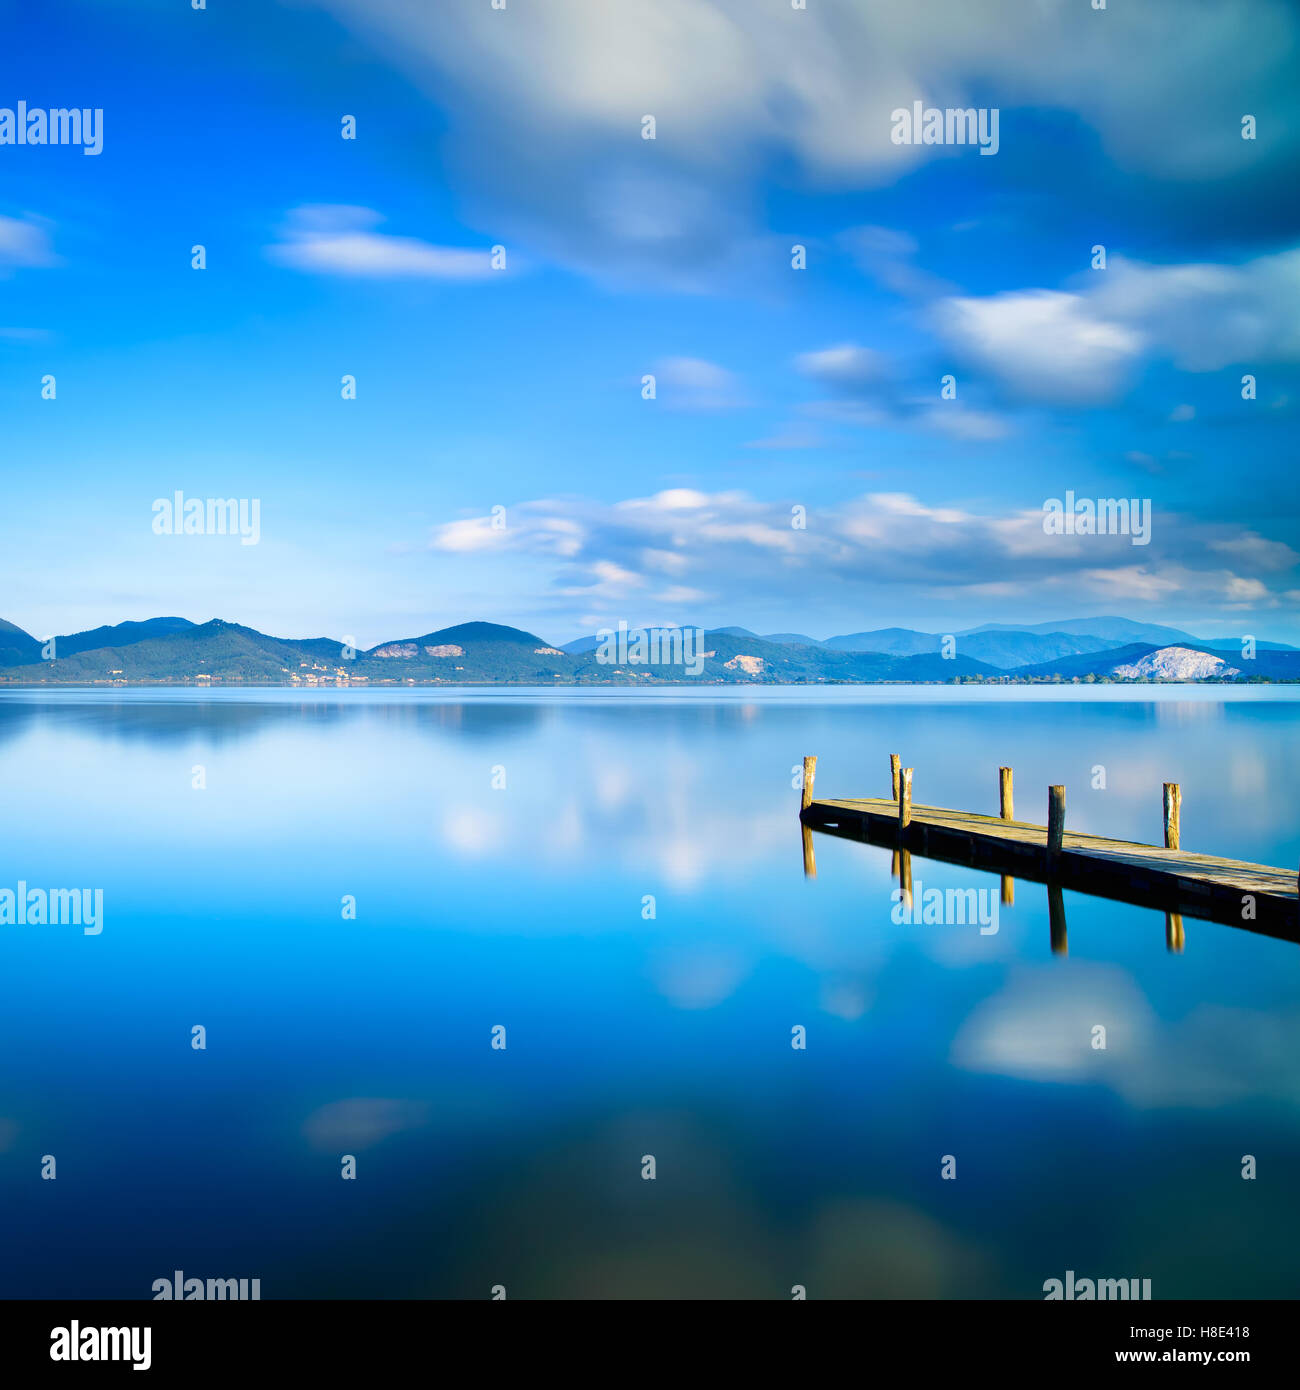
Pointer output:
1005, 799
893, 773
1055, 819
905, 879
1214, 888
1173, 815
809, 857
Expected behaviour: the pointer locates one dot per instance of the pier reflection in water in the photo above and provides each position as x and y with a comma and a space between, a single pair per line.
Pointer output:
628, 908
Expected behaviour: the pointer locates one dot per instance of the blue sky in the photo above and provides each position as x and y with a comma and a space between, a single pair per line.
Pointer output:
775, 388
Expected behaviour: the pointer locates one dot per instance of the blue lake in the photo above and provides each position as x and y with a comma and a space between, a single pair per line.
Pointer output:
500, 848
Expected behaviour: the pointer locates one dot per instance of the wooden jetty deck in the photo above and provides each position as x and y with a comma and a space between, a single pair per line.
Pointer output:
1256, 897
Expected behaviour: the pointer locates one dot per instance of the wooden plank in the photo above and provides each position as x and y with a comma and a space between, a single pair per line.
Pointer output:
1205, 886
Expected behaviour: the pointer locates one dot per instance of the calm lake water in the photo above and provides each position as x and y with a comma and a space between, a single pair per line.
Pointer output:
500, 847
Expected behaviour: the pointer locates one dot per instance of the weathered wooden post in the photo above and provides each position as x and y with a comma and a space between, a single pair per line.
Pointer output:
809, 777
1173, 815
905, 880
1007, 810
1056, 920
1055, 820
904, 799
809, 858
893, 773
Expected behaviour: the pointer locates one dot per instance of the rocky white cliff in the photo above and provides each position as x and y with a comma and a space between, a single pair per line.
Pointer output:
1176, 664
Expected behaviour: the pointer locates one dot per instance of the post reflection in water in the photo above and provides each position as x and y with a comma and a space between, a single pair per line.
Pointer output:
1056, 916
1174, 932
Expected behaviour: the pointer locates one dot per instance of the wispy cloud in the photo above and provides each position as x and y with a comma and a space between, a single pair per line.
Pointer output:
335, 240
868, 391
845, 365
889, 256
731, 546
24, 243
691, 383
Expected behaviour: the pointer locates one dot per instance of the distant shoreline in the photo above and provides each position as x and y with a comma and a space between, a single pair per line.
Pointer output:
962, 682
171, 651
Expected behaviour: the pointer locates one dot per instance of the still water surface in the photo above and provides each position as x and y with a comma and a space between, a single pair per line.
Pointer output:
523, 904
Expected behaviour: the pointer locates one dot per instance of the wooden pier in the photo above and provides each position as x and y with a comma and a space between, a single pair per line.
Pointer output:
1255, 897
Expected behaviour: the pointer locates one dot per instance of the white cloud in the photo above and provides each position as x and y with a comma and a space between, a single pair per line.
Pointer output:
680, 593
1245, 591
681, 545
867, 395
24, 243
1044, 344
1258, 551
1177, 579
845, 365
669, 561
691, 383
1205, 317
1135, 582
611, 575
545, 104
820, 83
335, 240
957, 422
475, 533
1084, 347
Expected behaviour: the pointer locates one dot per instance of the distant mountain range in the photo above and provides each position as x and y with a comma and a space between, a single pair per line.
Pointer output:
178, 652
